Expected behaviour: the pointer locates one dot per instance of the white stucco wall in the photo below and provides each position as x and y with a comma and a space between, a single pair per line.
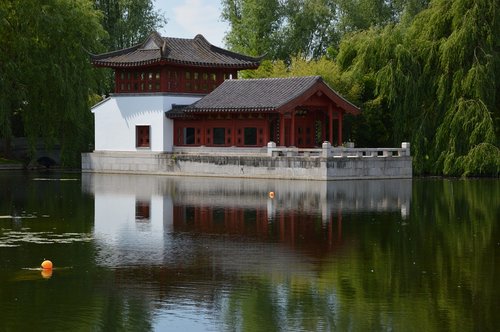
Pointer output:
116, 118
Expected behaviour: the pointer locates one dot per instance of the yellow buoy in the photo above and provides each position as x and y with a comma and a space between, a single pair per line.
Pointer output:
271, 194
47, 265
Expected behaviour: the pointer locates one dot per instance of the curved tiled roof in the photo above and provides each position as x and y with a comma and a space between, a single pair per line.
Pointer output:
254, 94
263, 95
192, 52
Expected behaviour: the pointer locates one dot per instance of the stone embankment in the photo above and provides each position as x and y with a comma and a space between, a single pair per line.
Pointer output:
327, 163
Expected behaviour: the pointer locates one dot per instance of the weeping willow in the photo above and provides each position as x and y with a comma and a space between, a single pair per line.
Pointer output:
46, 75
436, 76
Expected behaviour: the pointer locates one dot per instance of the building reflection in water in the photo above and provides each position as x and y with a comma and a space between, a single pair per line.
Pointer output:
145, 219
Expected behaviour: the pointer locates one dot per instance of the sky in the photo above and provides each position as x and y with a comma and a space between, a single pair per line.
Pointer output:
187, 18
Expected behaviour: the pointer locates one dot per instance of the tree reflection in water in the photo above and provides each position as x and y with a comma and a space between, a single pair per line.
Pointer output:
221, 254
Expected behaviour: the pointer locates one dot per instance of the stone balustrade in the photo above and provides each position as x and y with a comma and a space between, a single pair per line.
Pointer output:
327, 151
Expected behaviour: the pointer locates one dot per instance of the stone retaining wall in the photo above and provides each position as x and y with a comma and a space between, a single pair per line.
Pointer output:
249, 166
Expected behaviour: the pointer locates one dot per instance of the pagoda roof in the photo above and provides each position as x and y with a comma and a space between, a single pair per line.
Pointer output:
197, 52
268, 95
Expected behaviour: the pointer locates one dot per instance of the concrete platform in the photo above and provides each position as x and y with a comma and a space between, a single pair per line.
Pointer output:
324, 165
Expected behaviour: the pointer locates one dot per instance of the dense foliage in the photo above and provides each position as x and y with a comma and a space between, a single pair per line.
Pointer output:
45, 74
424, 73
47, 83
436, 78
128, 22
307, 28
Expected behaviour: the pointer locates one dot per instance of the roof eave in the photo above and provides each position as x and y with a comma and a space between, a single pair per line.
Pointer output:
126, 64
110, 64
230, 110
212, 65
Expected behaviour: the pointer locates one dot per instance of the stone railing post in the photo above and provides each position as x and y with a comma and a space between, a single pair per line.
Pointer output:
271, 146
406, 147
327, 149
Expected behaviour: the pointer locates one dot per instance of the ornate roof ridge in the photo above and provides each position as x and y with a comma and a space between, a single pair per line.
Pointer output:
195, 51
200, 38
140, 46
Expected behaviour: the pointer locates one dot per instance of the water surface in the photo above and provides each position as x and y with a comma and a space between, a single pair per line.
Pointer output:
141, 253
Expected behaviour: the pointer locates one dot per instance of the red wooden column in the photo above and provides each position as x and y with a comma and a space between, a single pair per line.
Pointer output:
266, 129
203, 133
339, 133
292, 130
282, 129
233, 133
330, 123
181, 81
163, 79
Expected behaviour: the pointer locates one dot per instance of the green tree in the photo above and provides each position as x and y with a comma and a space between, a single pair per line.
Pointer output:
438, 79
355, 15
10, 96
280, 29
254, 25
307, 28
128, 22
46, 81
45, 75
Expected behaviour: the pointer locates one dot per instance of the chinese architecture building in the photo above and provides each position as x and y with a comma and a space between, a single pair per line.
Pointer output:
300, 111
178, 96
204, 104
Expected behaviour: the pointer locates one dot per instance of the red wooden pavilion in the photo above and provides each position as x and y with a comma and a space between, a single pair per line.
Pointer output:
297, 111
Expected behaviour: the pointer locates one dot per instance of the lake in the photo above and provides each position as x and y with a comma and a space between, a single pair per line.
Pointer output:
150, 253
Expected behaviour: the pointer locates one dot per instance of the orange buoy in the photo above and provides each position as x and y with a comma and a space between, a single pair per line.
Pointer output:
47, 265
271, 194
